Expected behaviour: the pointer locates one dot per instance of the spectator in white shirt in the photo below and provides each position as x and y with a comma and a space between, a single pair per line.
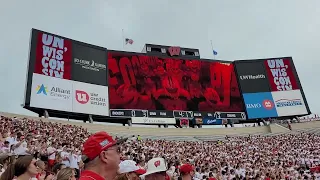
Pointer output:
5, 148
20, 148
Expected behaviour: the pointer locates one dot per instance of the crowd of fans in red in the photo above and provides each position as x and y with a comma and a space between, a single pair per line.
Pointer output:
32, 149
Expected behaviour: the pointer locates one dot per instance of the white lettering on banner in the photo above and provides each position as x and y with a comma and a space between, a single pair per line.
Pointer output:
252, 77
231, 116
280, 76
117, 113
211, 121
146, 120
90, 65
256, 105
52, 56
163, 113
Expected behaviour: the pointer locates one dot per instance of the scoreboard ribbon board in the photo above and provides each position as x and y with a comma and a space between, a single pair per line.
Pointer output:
174, 114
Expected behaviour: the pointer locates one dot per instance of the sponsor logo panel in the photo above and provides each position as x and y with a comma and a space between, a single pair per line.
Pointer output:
289, 103
53, 56
252, 76
212, 121
90, 99
51, 93
148, 120
281, 77
259, 105
89, 64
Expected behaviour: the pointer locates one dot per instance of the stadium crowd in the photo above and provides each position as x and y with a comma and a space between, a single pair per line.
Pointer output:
32, 149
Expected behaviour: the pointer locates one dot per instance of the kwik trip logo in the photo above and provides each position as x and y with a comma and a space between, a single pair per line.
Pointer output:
279, 71
94, 98
90, 65
55, 92
52, 56
252, 77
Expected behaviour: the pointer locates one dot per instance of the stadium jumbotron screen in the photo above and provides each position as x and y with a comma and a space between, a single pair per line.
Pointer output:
163, 85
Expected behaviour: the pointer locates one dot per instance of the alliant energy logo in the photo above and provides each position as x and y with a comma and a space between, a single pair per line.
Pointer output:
252, 77
94, 98
55, 92
90, 65
288, 102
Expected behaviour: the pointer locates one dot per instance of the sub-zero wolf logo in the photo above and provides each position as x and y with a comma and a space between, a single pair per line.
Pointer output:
90, 65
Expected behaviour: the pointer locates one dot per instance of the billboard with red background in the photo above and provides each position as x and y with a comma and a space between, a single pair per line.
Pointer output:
281, 75
138, 81
53, 56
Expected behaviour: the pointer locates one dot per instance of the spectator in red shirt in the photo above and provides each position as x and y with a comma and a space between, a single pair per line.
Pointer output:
101, 157
187, 171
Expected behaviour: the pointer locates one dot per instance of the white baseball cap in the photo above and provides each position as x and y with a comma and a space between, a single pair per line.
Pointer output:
155, 165
128, 166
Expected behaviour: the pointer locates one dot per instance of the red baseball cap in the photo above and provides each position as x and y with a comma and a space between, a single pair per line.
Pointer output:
186, 168
97, 143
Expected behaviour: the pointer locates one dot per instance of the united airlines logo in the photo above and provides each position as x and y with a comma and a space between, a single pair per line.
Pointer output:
42, 89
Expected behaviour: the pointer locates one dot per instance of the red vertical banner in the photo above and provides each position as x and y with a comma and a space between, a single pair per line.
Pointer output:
53, 56
280, 74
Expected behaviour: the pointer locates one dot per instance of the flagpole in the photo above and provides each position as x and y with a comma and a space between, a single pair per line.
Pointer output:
214, 56
122, 39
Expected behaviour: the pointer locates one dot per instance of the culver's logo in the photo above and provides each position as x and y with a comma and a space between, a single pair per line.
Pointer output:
211, 121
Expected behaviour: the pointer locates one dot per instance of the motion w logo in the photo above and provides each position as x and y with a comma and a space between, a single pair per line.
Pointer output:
174, 51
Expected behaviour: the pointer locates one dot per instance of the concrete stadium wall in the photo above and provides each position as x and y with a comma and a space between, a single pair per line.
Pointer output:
126, 130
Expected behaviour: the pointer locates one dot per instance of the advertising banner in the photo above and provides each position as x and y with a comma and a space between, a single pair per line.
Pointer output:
153, 83
53, 56
260, 105
51, 93
212, 121
148, 120
289, 103
252, 76
90, 99
89, 64
281, 76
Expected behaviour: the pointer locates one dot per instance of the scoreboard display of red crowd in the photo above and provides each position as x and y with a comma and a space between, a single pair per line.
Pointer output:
161, 82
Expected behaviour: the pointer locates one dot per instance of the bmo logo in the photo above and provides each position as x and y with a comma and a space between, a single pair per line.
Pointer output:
260, 105
268, 104
82, 97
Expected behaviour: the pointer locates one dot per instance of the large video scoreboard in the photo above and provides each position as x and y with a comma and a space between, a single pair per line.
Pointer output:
142, 85
71, 78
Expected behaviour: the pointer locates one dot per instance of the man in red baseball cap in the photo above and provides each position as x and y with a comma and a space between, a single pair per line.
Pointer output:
187, 171
101, 157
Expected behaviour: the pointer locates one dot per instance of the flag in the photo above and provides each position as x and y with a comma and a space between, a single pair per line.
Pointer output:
214, 52
128, 41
